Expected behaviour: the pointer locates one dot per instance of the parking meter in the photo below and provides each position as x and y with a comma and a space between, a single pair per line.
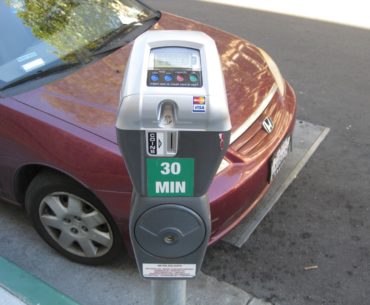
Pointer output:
173, 129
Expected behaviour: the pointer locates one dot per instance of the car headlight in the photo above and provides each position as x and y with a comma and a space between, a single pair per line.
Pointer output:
280, 81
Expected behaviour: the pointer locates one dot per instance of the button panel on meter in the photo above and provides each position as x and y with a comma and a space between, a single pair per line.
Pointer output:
174, 78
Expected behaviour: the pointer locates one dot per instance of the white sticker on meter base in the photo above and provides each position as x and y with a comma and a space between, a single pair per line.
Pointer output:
169, 270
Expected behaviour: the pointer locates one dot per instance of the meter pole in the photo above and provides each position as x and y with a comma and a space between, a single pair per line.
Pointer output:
168, 292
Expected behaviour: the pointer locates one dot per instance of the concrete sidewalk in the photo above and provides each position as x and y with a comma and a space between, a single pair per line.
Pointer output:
9, 299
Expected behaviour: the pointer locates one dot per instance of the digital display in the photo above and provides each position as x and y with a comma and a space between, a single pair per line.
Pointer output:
172, 58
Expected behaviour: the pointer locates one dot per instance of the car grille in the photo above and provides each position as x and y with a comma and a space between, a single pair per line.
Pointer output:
251, 138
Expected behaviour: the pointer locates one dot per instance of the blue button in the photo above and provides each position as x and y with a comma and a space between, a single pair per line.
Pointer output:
168, 77
154, 77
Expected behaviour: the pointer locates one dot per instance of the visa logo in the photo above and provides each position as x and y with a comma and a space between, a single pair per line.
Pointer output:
199, 108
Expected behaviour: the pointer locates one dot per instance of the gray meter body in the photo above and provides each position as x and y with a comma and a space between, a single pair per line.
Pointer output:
173, 128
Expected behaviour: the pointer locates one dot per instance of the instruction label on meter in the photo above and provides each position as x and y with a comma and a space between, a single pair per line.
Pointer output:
169, 270
170, 177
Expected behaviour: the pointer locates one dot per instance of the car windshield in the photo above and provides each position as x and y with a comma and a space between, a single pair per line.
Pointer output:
42, 38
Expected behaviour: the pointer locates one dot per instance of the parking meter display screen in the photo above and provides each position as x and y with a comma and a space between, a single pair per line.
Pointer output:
174, 67
176, 58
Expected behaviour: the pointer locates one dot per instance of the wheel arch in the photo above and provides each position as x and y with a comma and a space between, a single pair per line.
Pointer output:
26, 173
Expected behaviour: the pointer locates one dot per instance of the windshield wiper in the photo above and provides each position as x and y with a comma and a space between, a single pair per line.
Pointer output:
40, 74
128, 32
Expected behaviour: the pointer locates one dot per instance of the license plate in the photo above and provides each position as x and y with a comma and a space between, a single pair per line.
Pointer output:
279, 157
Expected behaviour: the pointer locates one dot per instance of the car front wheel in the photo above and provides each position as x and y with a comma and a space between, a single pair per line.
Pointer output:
71, 220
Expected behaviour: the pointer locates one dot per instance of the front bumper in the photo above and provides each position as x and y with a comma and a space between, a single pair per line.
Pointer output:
237, 189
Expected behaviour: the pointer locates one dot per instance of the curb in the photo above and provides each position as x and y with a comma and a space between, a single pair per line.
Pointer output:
19, 287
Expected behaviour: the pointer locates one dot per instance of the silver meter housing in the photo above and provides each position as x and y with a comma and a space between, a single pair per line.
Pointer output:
174, 66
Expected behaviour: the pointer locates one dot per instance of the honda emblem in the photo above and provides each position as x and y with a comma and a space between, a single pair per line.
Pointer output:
268, 125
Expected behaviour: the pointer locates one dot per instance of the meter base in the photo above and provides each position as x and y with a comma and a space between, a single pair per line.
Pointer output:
169, 235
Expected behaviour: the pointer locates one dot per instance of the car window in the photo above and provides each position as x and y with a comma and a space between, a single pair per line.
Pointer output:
39, 38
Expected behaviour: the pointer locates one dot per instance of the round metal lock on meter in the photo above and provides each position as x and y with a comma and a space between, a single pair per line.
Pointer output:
170, 231
173, 129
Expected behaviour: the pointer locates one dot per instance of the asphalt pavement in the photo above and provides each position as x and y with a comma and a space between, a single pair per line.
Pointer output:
314, 246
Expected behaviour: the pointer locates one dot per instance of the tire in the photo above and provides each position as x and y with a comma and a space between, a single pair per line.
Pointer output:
72, 220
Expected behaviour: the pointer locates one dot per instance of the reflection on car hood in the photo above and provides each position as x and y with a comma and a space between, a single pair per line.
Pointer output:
89, 97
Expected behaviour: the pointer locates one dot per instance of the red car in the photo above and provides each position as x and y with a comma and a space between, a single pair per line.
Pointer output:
61, 68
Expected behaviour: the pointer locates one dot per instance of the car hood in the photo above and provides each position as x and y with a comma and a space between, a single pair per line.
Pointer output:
89, 98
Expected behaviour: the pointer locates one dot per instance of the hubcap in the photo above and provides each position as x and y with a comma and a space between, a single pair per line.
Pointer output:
76, 225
